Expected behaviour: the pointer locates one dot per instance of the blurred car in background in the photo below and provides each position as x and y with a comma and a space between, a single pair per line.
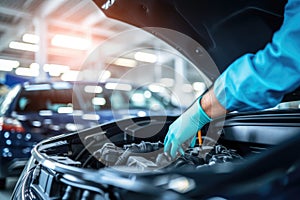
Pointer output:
31, 112
111, 100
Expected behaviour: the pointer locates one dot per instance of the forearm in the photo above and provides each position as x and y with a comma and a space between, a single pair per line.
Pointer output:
211, 105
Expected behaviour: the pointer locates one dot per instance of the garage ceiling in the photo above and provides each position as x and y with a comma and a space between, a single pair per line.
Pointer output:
46, 18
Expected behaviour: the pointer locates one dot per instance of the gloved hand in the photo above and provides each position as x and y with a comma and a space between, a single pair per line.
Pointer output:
184, 128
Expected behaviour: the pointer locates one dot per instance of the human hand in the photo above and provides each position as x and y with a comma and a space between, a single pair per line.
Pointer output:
184, 128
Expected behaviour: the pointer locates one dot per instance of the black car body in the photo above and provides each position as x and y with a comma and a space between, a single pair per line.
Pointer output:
255, 156
31, 112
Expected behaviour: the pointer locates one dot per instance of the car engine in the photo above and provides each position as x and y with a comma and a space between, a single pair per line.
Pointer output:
138, 156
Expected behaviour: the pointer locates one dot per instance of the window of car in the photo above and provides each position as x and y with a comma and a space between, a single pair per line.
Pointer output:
118, 99
36, 100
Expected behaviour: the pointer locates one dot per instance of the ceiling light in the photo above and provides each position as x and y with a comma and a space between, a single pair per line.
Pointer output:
147, 94
70, 42
6, 69
156, 88
31, 38
145, 57
118, 86
199, 86
70, 75
37, 87
93, 89
105, 74
8, 65
90, 117
65, 110
34, 66
23, 46
98, 101
55, 69
54, 73
168, 82
24, 71
125, 62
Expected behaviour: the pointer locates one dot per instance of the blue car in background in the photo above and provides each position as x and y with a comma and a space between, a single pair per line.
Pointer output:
111, 100
31, 112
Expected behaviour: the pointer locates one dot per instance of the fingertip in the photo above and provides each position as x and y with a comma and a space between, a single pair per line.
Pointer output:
173, 151
167, 146
181, 151
193, 142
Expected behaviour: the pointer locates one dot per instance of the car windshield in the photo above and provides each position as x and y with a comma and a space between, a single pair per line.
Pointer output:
36, 100
90, 98
106, 97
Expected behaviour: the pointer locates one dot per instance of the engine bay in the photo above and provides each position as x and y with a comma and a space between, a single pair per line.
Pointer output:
148, 155
125, 158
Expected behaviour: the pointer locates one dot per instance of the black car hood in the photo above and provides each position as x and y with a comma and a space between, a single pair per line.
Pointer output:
226, 29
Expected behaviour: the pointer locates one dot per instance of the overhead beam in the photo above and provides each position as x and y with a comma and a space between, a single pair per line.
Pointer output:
93, 18
80, 27
14, 33
18, 58
48, 7
5, 27
74, 9
14, 12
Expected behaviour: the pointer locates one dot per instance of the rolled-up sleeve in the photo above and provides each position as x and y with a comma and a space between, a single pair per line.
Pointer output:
259, 81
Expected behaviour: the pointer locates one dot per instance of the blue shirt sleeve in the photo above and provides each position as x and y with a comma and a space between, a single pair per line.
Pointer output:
259, 81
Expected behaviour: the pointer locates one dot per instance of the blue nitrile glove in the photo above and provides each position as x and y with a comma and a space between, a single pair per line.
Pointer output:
185, 128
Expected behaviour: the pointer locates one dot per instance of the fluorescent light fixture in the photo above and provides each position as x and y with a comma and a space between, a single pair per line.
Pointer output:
93, 89
141, 113
199, 86
105, 74
72, 127
24, 71
118, 86
156, 88
45, 113
90, 117
168, 82
23, 46
6, 68
77, 113
55, 69
70, 42
145, 57
125, 62
66, 110
138, 98
34, 66
61, 85
31, 38
8, 65
54, 73
35, 87
98, 101
70, 75
147, 94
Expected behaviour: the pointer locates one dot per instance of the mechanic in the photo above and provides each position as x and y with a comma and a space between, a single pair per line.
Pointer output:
252, 82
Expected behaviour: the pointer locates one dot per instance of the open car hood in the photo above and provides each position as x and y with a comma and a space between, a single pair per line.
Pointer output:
226, 29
